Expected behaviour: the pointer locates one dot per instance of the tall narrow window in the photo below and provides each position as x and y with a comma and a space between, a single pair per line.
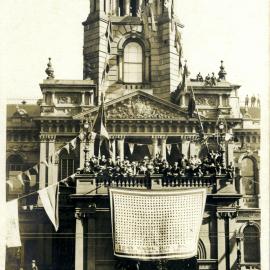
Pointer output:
133, 63
67, 164
133, 7
251, 244
248, 176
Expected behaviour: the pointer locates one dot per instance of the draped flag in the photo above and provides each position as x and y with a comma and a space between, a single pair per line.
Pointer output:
191, 105
12, 224
100, 122
175, 96
155, 225
109, 36
228, 136
50, 198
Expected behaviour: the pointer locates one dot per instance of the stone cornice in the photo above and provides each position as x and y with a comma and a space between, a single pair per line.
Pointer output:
226, 212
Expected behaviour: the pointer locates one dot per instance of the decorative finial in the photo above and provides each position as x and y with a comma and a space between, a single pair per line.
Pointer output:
222, 73
49, 70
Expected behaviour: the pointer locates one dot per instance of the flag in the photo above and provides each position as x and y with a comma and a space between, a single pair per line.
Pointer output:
50, 198
73, 143
81, 136
157, 237
20, 179
35, 168
27, 173
175, 96
67, 148
100, 122
12, 224
191, 105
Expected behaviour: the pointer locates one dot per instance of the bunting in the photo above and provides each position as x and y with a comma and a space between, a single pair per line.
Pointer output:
50, 198
36, 168
12, 224
10, 184
67, 148
27, 173
131, 147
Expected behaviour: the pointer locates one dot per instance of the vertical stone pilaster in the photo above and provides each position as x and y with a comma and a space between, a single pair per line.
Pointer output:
112, 141
82, 155
192, 149
163, 148
121, 144
79, 243
185, 147
227, 248
155, 146
127, 7
51, 161
91, 147
42, 158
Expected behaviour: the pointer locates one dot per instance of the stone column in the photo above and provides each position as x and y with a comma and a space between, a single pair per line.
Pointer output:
121, 144
83, 99
91, 147
53, 98
79, 241
183, 101
163, 148
42, 158
192, 149
230, 149
127, 7
221, 247
51, 160
220, 100
120, 68
139, 3
112, 141
146, 75
227, 249
155, 146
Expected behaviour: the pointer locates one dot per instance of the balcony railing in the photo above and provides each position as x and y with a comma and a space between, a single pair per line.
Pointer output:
98, 184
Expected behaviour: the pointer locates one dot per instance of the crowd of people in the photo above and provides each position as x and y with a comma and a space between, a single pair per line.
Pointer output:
252, 101
212, 164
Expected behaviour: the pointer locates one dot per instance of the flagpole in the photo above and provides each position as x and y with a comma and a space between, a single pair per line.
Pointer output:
199, 118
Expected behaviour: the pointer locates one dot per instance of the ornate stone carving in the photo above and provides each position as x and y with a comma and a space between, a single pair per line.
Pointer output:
227, 213
63, 99
140, 108
207, 100
47, 109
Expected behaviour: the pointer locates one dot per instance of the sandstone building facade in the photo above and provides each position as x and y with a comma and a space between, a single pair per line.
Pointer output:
132, 56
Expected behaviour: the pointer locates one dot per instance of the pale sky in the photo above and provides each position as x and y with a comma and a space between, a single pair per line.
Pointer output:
230, 30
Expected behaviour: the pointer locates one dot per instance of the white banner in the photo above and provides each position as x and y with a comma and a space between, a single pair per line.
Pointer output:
12, 225
154, 225
131, 147
50, 197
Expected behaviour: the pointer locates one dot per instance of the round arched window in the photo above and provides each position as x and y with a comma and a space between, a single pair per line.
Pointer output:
251, 244
133, 63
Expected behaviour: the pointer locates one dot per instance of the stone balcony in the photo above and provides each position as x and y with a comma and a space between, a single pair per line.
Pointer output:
90, 184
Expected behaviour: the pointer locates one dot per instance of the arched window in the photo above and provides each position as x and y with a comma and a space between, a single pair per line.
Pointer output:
248, 176
251, 244
67, 164
14, 164
133, 63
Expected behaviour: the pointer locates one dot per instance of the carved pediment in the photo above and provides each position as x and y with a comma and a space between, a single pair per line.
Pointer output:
139, 105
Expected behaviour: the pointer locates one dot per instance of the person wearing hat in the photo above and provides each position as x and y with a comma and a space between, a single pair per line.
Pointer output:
33, 265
